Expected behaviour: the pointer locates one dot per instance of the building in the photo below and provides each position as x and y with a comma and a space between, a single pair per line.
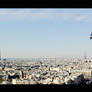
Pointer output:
13, 81
21, 74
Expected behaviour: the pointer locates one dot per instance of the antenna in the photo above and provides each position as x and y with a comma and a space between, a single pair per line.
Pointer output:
0, 55
85, 55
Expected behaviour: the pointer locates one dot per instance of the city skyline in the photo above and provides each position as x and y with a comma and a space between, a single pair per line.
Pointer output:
45, 32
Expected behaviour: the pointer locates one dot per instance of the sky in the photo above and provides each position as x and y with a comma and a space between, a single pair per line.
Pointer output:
35, 32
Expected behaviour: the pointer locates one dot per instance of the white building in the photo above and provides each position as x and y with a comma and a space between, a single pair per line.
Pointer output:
13, 81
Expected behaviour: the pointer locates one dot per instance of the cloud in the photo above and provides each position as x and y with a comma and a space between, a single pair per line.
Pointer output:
24, 14
39, 14
64, 16
81, 17
67, 16
31, 14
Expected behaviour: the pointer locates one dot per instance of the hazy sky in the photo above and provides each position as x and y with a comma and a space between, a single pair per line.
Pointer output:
45, 32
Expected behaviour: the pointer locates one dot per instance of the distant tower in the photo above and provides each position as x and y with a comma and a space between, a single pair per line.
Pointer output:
85, 55
0, 56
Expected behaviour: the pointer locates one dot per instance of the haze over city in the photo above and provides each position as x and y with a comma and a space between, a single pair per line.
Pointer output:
46, 46
27, 33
